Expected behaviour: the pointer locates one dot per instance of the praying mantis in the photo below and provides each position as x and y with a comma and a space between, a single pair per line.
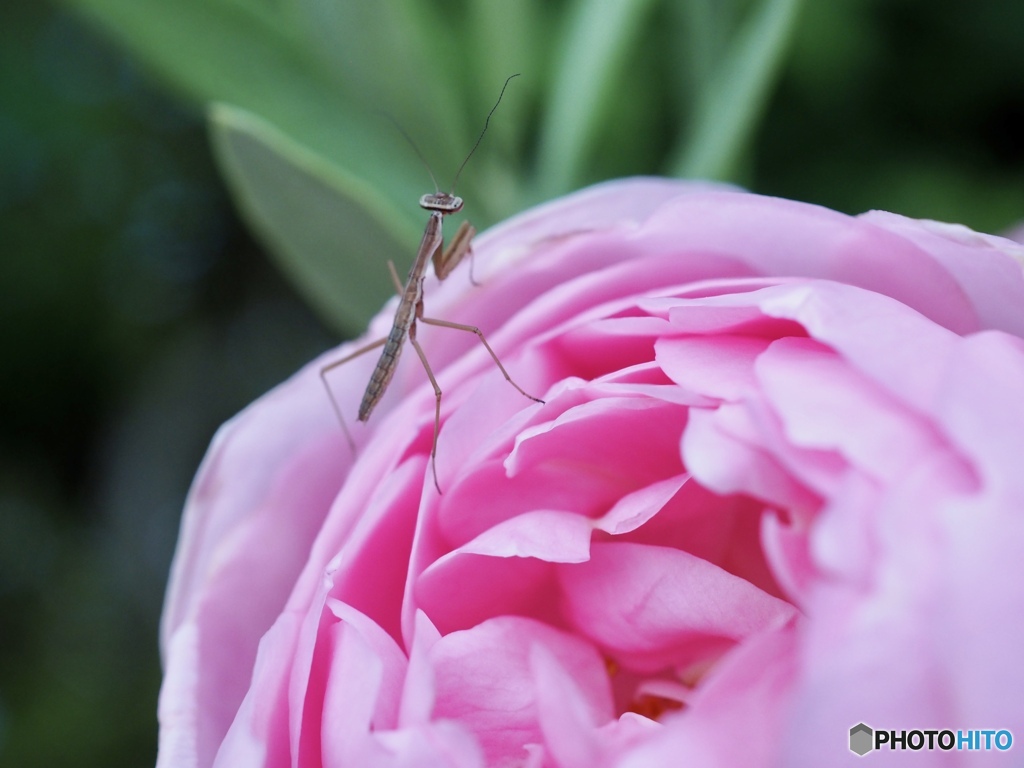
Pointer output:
410, 306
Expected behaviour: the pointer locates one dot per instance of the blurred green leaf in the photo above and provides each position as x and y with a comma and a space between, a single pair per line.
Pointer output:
412, 84
728, 109
436, 70
324, 75
330, 231
702, 28
505, 38
225, 51
331, 188
594, 48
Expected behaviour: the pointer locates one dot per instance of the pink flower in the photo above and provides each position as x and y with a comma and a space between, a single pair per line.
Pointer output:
775, 490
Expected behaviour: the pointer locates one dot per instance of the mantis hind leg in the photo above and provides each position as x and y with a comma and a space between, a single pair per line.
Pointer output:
483, 340
437, 403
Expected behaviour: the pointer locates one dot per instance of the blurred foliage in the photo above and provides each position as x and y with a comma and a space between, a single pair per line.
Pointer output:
136, 313
135, 316
913, 107
307, 82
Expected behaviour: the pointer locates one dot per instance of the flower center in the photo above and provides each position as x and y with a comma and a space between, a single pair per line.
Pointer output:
653, 707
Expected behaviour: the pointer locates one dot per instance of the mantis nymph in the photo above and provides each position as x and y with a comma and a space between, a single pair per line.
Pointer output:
410, 307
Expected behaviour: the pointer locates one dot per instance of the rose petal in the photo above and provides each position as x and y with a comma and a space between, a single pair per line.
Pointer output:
786, 549
824, 404
727, 463
737, 714
624, 436
635, 509
720, 367
986, 268
484, 681
546, 534
568, 720
655, 607
460, 591
782, 237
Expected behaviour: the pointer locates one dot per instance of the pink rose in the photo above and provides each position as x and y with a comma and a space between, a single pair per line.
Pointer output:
776, 490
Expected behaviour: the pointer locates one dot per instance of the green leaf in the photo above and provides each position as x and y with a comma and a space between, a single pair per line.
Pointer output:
600, 34
226, 51
728, 110
384, 53
702, 28
503, 39
330, 232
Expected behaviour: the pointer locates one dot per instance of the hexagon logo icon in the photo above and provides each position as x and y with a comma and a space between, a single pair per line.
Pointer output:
861, 739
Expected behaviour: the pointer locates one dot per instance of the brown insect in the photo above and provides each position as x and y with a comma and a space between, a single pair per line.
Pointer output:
410, 308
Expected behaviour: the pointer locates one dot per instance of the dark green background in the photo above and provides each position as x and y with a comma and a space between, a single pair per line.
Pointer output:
136, 314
